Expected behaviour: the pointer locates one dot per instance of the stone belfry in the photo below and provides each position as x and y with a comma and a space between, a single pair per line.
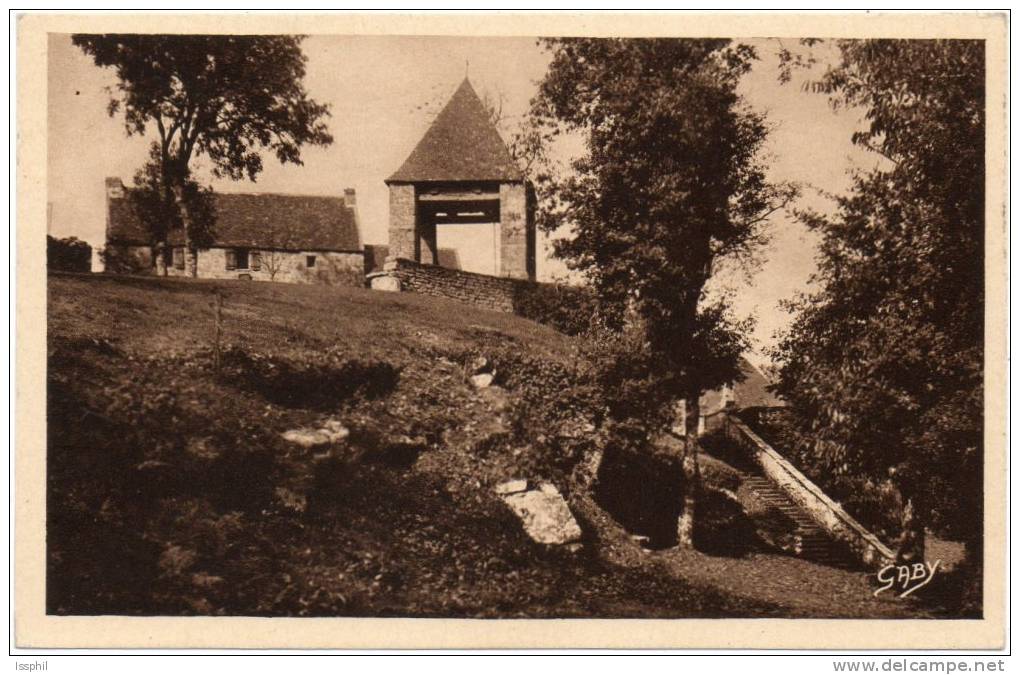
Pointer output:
462, 172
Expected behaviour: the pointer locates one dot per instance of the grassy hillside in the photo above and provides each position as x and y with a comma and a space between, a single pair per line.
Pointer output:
172, 491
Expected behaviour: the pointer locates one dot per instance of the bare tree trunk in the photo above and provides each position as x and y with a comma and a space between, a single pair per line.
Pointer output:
587, 470
692, 474
159, 258
911, 544
190, 255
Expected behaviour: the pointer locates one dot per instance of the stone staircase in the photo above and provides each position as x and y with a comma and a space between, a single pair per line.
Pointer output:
809, 540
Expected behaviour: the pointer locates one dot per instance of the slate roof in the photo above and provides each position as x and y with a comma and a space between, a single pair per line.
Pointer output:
461, 145
271, 221
749, 393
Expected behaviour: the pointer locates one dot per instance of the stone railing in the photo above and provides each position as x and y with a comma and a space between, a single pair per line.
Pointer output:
829, 515
481, 290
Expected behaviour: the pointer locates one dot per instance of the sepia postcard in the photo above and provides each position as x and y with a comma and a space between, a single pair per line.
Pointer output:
511, 330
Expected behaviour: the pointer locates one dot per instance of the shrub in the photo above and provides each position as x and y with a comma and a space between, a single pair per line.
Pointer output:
568, 309
68, 255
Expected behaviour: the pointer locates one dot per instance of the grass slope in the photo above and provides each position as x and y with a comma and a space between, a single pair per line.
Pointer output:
171, 491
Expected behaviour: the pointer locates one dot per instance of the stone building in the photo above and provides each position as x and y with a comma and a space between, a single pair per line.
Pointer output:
461, 173
266, 237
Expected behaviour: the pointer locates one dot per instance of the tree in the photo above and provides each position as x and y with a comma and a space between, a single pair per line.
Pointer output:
274, 258
157, 208
227, 98
883, 364
670, 185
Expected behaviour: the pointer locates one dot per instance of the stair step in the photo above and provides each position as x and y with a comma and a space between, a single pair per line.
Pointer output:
811, 542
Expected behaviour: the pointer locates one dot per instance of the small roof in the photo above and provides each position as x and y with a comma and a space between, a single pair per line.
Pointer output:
461, 145
272, 221
751, 392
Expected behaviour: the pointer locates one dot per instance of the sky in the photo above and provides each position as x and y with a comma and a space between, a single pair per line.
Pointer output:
383, 92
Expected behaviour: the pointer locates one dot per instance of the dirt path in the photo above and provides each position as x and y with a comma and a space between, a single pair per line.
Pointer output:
804, 588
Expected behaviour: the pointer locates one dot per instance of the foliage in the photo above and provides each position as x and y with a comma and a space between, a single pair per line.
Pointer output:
883, 364
875, 502
669, 185
568, 309
172, 492
157, 208
69, 254
226, 98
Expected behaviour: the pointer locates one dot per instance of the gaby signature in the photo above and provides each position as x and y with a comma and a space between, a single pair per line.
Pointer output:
906, 578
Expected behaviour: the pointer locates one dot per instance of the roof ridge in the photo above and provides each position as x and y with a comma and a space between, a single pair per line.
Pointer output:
216, 193
277, 194
461, 144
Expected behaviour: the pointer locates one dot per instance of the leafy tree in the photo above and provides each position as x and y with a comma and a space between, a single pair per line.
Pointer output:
883, 364
69, 254
225, 97
670, 185
157, 208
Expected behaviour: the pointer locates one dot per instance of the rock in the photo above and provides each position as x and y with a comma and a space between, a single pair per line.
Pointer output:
306, 438
548, 489
385, 282
482, 380
335, 429
512, 486
640, 540
331, 431
544, 514
480, 364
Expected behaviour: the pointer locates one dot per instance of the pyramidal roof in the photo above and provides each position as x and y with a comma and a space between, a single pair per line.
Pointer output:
461, 144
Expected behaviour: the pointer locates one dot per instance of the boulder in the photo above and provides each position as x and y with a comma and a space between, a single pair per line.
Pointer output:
543, 513
482, 380
384, 282
331, 431
511, 486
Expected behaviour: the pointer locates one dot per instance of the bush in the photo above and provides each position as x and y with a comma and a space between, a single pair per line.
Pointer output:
568, 309
68, 255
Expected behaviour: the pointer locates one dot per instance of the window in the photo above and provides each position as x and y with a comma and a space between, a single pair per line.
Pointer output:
256, 261
178, 257
310, 261
237, 258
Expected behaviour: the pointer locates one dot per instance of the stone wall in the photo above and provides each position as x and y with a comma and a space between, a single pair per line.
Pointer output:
826, 513
481, 290
513, 231
403, 222
332, 268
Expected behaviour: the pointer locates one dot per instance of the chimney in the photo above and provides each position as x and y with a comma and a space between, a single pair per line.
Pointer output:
114, 188
350, 199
